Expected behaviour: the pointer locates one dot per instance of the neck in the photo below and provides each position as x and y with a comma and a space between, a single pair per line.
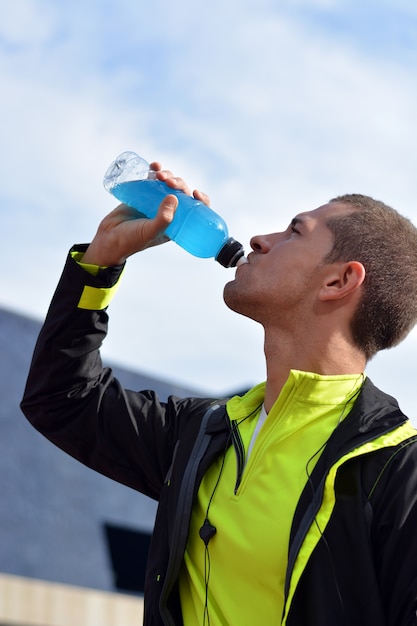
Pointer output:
331, 355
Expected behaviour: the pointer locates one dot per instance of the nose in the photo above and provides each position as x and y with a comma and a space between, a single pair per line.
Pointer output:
260, 243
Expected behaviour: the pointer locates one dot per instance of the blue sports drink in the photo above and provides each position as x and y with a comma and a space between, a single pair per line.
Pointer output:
195, 227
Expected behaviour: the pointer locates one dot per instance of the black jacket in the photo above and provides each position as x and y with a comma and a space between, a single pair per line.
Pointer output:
353, 546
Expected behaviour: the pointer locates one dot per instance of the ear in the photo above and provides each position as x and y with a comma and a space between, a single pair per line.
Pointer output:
342, 280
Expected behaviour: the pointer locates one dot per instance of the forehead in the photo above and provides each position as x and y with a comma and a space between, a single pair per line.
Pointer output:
319, 217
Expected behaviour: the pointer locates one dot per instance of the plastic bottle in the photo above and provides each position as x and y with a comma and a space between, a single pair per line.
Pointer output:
195, 227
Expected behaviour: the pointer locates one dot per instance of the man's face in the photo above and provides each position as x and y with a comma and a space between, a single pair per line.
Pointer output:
285, 270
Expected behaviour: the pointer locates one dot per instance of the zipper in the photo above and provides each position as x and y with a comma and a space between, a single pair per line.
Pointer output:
184, 507
240, 453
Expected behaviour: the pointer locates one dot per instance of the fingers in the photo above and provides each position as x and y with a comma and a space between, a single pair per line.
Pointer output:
175, 182
124, 232
201, 196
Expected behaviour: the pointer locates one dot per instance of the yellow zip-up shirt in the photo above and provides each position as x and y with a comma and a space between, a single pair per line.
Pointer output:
246, 559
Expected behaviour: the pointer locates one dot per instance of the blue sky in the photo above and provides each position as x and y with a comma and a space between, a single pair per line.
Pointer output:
271, 107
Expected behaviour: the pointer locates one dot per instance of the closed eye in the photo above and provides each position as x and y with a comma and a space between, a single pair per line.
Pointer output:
293, 225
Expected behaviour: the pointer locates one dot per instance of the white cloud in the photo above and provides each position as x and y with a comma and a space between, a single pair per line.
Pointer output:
26, 23
267, 113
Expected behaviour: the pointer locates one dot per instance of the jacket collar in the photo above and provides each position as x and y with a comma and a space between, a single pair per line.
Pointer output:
373, 414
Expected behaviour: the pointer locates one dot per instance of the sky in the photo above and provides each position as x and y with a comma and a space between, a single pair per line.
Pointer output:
271, 107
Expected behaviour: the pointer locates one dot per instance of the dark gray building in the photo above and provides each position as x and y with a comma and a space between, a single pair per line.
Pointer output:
60, 521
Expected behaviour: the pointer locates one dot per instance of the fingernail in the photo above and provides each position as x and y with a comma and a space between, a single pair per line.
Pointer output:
171, 201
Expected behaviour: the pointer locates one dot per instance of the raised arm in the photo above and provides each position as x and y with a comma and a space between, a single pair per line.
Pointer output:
69, 396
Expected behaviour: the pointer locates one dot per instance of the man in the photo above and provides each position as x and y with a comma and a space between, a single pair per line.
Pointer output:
295, 504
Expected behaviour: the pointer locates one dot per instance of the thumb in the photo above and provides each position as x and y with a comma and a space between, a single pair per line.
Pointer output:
156, 226
166, 212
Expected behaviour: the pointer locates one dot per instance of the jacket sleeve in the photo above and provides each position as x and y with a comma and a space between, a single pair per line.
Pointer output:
79, 405
394, 534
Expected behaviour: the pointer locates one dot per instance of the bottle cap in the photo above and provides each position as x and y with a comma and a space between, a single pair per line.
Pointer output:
230, 253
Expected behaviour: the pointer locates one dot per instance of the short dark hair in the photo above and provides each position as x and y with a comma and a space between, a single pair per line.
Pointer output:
385, 242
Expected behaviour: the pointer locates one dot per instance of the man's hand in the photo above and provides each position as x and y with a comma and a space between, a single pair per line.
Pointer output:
124, 232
